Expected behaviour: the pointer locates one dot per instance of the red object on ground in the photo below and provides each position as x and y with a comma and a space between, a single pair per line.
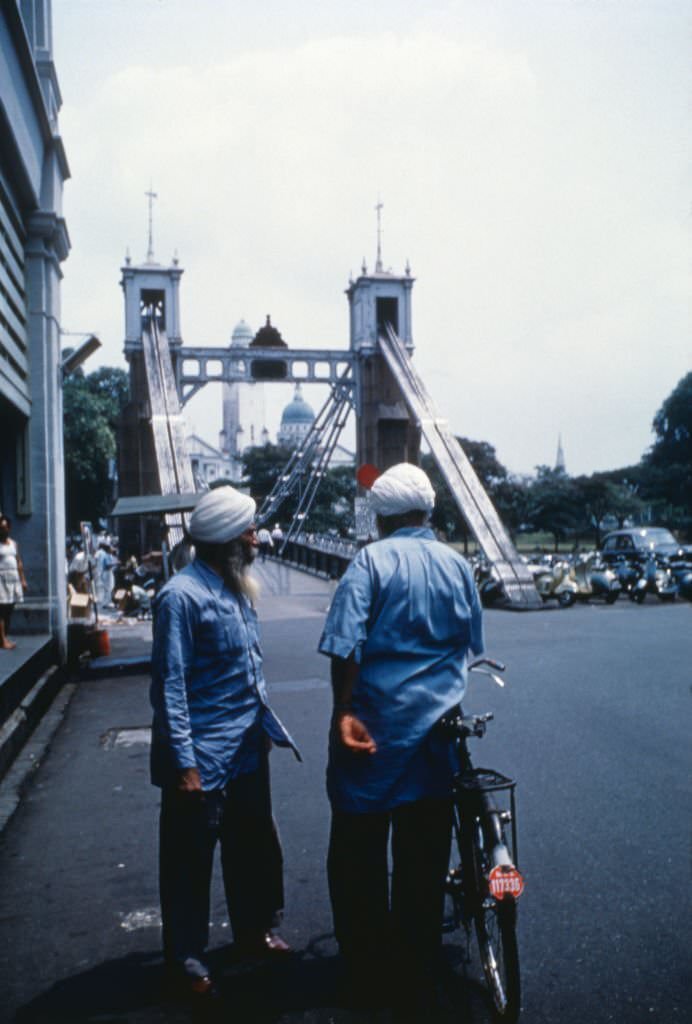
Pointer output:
367, 474
100, 643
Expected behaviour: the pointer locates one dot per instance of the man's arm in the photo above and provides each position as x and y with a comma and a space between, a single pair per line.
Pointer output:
350, 730
172, 655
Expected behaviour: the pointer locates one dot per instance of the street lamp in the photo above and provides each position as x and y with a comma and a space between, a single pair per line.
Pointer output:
75, 359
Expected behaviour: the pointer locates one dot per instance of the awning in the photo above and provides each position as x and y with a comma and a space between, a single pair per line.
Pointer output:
155, 504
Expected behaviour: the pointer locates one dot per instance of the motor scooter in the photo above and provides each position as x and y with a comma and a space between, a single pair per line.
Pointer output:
556, 582
656, 578
627, 573
594, 579
488, 582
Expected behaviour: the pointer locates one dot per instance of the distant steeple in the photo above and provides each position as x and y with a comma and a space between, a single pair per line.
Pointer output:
560, 457
151, 196
378, 261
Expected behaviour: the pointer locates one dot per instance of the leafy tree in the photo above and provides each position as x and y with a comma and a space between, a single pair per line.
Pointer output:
332, 508
506, 492
91, 407
673, 428
599, 496
666, 471
553, 503
262, 467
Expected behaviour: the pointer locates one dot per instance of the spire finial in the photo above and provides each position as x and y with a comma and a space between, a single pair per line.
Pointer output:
151, 196
378, 263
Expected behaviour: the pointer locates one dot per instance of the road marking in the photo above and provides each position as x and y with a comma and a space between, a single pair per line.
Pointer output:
130, 736
149, 917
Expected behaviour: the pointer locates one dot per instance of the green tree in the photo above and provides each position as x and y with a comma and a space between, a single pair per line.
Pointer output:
91, 407
332, 507
599, 496
673, 427
506, 492
666, 471
262, 466
553, 503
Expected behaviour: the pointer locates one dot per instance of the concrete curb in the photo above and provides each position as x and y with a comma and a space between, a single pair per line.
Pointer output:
19, 725
42, 700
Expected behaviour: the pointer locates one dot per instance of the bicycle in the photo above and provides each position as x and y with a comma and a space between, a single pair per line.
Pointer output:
483, 882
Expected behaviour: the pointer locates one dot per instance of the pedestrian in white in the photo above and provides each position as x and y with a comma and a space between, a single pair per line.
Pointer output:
12, 581
266, 544
104, 582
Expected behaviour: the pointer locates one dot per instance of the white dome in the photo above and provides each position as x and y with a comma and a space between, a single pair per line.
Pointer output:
242, 334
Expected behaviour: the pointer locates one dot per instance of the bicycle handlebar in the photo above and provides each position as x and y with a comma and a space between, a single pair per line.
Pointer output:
497, 665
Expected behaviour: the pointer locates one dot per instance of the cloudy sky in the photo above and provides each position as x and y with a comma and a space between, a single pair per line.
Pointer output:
533, 157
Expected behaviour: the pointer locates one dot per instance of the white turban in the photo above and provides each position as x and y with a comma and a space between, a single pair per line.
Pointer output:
220, 515
403, 488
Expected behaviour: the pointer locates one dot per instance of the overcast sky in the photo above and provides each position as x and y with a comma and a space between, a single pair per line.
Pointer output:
533, 157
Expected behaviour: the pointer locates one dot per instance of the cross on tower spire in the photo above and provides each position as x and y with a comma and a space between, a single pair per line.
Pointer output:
151, 196
378, 262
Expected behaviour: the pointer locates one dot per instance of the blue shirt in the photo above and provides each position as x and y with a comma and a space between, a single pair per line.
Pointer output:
208, 689
408, 610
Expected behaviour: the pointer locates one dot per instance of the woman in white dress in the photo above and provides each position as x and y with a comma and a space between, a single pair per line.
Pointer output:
12, 581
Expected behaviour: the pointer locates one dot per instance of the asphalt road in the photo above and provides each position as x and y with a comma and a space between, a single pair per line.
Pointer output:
594, 724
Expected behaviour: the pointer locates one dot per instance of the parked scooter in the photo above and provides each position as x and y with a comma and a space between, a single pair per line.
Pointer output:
656, 578
489, 584
556, 582
594, 579
627, 573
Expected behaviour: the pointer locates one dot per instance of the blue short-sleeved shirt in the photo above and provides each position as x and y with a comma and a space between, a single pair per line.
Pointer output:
208, 689
408, 610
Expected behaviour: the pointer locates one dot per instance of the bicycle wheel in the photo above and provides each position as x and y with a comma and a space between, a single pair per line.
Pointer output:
495, 922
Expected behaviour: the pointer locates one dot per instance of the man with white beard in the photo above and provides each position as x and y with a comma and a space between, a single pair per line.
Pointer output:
211, 735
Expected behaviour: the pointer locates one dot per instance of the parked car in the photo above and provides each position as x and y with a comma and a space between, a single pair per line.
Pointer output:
639, 542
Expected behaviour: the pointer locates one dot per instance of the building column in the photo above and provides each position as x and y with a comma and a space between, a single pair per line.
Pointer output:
41, 535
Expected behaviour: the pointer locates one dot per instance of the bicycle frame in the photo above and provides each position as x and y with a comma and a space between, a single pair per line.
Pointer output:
486, 884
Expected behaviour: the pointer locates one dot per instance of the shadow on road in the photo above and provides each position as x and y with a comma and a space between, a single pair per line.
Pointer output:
131, 990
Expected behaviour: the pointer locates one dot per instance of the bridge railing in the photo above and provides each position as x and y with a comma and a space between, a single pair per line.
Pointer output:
319, 553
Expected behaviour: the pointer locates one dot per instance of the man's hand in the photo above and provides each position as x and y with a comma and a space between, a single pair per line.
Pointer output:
189, 781
354, 735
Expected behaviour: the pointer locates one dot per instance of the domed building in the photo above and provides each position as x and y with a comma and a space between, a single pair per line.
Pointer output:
268, 336
296, 420
242, 335
243, 409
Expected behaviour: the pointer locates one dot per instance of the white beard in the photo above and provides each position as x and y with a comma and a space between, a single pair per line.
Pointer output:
250, 587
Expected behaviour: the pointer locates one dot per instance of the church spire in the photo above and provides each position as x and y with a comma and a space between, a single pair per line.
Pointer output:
378, 261
560, 457
151, 196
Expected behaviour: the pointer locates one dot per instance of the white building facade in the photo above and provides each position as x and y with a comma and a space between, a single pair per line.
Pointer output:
243, 411
208, 464
33, 243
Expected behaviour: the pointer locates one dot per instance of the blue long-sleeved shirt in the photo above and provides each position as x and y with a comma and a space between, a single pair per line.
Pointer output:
408, 610
208, 690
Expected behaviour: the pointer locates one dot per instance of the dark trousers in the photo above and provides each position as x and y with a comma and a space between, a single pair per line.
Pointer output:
369, 923
240, 819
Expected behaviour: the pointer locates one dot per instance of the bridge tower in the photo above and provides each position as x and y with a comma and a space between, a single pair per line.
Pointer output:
385, 433
148, 288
